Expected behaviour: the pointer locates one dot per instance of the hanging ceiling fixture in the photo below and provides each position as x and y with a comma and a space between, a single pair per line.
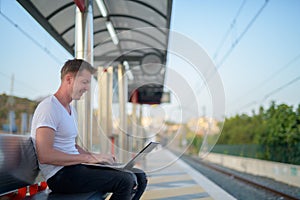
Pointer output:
109, 26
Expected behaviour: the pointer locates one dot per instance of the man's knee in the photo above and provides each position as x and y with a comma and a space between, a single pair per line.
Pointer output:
129, 179
141, 176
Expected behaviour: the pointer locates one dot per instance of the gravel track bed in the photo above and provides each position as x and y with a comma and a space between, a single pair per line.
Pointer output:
241, 190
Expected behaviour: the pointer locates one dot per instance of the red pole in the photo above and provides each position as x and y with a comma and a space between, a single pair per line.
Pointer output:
80, 4
135, 97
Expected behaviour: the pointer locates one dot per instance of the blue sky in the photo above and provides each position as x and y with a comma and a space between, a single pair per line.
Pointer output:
259, 63
35, 64
262, 61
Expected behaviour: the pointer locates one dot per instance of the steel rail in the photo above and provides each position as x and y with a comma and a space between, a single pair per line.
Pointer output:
237, 177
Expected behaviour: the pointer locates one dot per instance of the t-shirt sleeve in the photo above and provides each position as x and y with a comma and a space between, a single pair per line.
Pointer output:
46, 116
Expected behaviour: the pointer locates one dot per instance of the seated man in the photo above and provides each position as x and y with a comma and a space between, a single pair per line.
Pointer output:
54, 130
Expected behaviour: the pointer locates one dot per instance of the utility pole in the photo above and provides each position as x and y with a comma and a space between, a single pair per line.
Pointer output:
11, 102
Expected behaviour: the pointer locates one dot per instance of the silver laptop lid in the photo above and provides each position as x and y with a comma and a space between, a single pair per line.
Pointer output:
147, 149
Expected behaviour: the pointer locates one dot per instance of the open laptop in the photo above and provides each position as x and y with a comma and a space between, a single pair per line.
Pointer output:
147, 149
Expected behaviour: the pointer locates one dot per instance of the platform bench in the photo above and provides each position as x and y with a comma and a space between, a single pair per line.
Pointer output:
19, 173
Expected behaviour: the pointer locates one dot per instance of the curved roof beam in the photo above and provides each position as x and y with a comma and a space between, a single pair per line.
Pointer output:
149, 6
116, 28
59, 10
132, 17
159, 51
134, 30
120, 58
130, 40
67, 30
126, 50
138, 19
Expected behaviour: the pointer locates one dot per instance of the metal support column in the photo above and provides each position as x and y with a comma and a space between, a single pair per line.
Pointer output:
142, 134
84, 50
105, 85
141, 137
123, 134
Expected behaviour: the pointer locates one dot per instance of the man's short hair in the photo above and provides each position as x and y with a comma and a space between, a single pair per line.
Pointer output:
76, 65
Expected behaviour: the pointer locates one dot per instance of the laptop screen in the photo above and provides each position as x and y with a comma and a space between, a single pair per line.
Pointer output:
147, 149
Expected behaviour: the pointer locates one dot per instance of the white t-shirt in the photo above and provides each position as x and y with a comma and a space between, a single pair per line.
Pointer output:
51, 113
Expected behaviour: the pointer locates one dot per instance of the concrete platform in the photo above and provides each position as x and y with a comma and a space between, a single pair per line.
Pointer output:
171, 178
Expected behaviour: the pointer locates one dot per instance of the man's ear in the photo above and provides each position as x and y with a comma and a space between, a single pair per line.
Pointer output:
69, 78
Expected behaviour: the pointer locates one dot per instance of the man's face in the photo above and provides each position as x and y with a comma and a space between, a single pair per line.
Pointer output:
81, 84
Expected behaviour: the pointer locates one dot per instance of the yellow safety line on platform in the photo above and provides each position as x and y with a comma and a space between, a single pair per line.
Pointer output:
164, 179
171, 192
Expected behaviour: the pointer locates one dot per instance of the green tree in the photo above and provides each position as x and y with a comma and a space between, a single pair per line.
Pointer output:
275, 132
282, 139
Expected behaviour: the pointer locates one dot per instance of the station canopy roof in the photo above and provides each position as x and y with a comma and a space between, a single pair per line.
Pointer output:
142, 35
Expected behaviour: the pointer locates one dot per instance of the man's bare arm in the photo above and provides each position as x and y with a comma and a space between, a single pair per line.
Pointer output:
101, 158
48, 155
81, 150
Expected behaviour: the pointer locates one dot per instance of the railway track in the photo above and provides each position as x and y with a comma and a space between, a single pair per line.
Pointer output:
195, 162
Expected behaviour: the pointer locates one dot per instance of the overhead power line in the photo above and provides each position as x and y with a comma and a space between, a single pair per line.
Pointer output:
280, 88
45, 49
271, 93
232, 25
242, 34
236, 42
265, 81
